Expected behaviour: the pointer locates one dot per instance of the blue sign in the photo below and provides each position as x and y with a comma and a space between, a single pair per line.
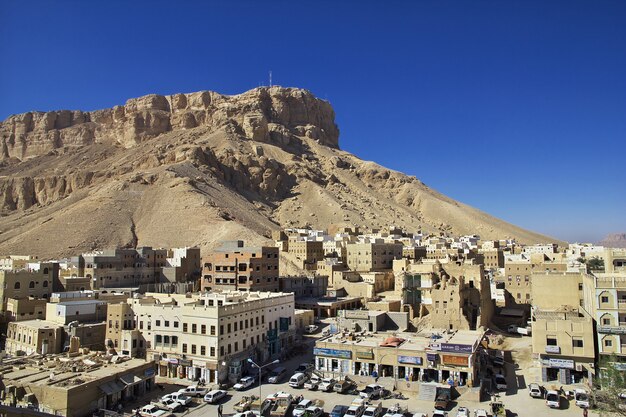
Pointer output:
456, 348
431, 357
335, 353
415, 360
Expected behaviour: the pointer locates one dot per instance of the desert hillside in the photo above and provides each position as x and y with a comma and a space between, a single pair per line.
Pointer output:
194, 169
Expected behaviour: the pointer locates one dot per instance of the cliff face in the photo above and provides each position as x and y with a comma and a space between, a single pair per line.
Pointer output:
275, 115
195, 169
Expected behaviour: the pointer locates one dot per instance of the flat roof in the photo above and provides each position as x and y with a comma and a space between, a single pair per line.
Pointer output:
39, 324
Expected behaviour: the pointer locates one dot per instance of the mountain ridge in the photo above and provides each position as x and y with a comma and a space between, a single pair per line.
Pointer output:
193, 169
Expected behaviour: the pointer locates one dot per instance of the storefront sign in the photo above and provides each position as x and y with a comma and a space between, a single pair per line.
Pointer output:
559, 363
365, 354
184, 362
163, 363
553, 349
455, 360
334, 353
199, 364
173, 361
432, 357
357, 314
611, 330
412, 360
456, 348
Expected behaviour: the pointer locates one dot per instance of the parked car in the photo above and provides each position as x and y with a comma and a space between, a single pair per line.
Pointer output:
463, 412
214, 396
304, 367
553, 399
179, 396
342, 386
170, 404
299, 409
151, 410
371, 391
373, 410
500, 382
339, 411
246, 414
355, 411
298, 380
277, 374
440, 413
442, 399
327, 384
313, 411
480, 413
194, 391
244, 383
535, 390
581, 397
313, 383
311, 329
498, 358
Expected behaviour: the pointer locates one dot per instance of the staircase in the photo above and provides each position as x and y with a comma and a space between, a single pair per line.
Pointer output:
428, 391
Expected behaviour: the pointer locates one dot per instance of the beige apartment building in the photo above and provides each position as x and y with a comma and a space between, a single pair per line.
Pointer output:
25, 283
365, 257
551, 290
31, 308
236, 267
614, 260
306, 252
563, 339
207, 335
14, 262
34, 336
605, 298
118, 268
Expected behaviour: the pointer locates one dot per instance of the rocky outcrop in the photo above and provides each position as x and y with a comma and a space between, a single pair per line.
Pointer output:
274, 115
614, 240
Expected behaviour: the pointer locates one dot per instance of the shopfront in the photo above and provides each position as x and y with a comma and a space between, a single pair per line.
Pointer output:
333, 360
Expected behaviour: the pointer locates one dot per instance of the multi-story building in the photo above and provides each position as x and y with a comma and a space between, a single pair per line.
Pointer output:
15, 262
34, 336
304, 286
306, 252
207, 335
118, 268
25, 283
31, 308
614, 260
182, 265
605, 299
83, 311
236, 267
374, 256
563, 339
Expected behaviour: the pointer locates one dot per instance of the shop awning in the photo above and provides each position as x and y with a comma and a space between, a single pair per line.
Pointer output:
111, 387
130, 379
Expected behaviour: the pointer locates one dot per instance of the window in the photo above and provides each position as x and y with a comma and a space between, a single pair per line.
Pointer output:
159, 339
212, 330
17, 286
212, 351
236, 346
193, 349
604, 299
577, 343
158, 323
229, 349
185, 327
203, 350
31, 284
221, 350
606, 322
194, 328
203, 329
228, 327
45, 283
184, 347
551, 341
174, 340
608, 343
167, 323
235, 326
175, 324
580, 286
222, 329
166, 340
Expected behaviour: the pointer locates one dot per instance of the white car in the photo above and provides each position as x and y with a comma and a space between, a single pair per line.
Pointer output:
371, 391
152, 410
171, 404
480, 413
313, 411
355, 411
301, 407
462, 412
244, 383
246, 414
373, 411
214, 396
535, 390
311, 329
178, 396
194, 391
313, 383
553, 399
327, 384
582, 398
500, 382
440, 413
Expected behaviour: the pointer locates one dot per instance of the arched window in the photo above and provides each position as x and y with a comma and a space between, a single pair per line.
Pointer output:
45, 283
45, 271
32, 284
17, 286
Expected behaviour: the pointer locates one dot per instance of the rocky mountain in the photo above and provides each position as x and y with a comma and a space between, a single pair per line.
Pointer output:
194, 169
614, 240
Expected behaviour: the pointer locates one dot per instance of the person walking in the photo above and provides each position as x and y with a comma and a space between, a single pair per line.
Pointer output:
220, 409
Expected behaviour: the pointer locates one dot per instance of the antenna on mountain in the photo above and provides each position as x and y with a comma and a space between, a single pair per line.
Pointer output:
270, 78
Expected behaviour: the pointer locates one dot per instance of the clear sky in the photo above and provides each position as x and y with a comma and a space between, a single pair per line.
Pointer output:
515, 107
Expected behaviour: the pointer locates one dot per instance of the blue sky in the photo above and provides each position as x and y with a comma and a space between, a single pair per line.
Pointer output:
515, 107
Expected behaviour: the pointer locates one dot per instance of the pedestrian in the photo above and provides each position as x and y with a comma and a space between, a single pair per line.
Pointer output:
584, 412
220, 409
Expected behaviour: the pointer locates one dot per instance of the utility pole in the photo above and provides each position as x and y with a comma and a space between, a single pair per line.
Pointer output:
270, 78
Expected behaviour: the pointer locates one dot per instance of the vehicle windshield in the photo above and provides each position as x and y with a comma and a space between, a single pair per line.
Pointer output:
581, 396
552, 397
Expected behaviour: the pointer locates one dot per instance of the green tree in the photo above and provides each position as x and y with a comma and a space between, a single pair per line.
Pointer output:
609, 392
595, 264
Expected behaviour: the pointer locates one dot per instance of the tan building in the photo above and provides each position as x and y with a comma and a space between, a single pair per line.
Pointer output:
120, 325
408, 357
15, 262
31, 308
556, 289
34, 336
614, 260
365, 257
493, 258
236, 267
182, 265
24, 283
306, 252
563, 339
518, 275
84, 311
77, 386
208, 335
